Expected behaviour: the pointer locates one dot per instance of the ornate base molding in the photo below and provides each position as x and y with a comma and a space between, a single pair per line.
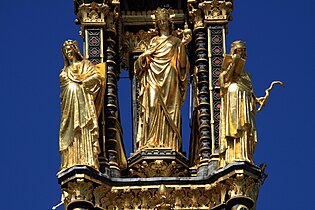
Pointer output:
234, 186
158, 163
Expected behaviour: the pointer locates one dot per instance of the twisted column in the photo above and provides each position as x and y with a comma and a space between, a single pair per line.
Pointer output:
210, 19
203, 97
113, 129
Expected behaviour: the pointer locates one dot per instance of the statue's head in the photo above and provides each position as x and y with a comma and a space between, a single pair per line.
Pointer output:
70, 52
239, 47
163, 19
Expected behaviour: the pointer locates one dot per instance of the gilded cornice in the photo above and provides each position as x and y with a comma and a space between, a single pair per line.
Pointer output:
159, 196
216, 11
209, 12
237, 181
91, 14
141, 18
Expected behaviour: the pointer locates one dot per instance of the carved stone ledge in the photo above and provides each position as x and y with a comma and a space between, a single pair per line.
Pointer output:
158, 168
233, 186
159, 197
186, 196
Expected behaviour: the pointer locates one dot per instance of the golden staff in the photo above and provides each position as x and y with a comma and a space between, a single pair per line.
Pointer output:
263, 100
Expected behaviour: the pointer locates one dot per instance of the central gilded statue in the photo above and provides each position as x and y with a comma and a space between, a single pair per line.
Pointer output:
162, 71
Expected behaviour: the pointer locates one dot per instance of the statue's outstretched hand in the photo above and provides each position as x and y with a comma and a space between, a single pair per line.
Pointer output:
186, 36
235, 57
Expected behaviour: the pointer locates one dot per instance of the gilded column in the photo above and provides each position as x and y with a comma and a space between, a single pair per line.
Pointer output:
201, 129
210, 19
113, 126
112, 130
92, 18
203, 96
216, 17
98, 28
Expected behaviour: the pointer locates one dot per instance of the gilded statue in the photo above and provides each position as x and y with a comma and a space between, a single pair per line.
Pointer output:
162, 73
82, 86
238, 135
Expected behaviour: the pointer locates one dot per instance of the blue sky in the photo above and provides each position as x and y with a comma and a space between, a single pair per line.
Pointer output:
279, 36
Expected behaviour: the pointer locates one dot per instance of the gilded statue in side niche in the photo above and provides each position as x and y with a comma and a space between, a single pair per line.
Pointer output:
238, 136
82, 86
162, 72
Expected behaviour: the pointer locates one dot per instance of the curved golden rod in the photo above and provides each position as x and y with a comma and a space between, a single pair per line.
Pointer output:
262, 101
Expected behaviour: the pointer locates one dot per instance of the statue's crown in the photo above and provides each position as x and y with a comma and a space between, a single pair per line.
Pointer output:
70, 42
163, 14
74, 45
236, 45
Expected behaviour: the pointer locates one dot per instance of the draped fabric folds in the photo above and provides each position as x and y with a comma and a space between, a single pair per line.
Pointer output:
81, 84
163, 85
238, 127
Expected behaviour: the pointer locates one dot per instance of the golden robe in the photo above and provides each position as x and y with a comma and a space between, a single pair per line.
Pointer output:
238, 110
163, 83
80, 83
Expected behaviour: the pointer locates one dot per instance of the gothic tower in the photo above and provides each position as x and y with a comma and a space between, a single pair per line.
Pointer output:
170, 49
